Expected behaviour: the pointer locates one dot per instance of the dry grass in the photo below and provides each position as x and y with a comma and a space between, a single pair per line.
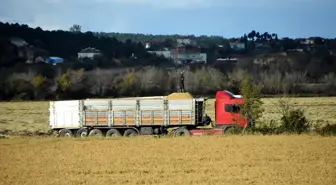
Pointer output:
24, 116
33, 116
193, 160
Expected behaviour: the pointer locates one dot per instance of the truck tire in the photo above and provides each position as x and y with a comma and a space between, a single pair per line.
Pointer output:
96, 132
113, 133
181, 132
82, 132
65, 133
130, 133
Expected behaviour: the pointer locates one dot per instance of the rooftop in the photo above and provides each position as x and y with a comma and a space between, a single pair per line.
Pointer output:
90, 50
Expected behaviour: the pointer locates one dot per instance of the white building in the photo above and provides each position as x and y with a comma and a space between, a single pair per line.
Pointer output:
184, 41
88, 53
193, 57
237, 45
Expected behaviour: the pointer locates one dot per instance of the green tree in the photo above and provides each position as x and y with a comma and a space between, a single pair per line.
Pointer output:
252, 108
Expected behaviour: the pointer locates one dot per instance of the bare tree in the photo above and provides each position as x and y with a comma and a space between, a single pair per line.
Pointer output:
152, 78
292, 80
101, 81
271, 82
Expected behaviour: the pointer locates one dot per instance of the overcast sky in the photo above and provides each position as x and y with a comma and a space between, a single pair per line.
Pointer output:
228, 18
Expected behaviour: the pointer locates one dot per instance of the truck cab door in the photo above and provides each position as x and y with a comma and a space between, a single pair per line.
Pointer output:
234, 110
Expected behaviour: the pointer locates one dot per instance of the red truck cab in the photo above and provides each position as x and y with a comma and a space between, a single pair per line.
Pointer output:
227, 110
227, 114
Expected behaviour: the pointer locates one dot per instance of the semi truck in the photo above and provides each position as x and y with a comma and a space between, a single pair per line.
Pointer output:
178, 114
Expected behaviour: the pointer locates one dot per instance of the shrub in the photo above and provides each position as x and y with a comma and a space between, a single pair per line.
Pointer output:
294, 122
270, 128
327, 130
292, 119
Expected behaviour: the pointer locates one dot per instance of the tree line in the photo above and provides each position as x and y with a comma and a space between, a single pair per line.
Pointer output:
151, 81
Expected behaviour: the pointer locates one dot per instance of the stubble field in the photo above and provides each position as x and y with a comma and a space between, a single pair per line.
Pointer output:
192, 160
231, 159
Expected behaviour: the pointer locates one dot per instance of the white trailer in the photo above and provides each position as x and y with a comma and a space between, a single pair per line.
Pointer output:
127, 116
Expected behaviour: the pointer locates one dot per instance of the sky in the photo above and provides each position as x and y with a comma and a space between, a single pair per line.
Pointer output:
227, 18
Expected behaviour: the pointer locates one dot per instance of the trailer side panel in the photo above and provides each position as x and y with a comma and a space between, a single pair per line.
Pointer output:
151, 112
65, 114
123, 112
96, 112
181, 112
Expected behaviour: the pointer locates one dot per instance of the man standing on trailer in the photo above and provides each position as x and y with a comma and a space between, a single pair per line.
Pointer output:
182, 82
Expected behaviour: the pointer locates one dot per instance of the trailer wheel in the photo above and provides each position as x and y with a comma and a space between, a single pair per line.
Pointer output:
65, 133
113, 133
181, 132
171, 133
130, 133
96, 132
82, 132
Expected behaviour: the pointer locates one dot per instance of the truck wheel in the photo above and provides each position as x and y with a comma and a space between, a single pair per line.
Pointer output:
181, 132
130, 133
113, 133
65, 133
96, 132
82, 132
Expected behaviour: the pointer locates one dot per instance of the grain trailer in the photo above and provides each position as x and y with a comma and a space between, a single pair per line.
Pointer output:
179, 112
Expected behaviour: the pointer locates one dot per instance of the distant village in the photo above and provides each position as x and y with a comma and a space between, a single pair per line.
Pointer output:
185, 50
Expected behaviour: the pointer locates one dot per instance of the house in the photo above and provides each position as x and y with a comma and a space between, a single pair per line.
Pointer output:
237, 45
88, 53
188, 54
185, 41
18, 42
308, 42
28, 53
183, 54
192, 57
147, 45
271, 58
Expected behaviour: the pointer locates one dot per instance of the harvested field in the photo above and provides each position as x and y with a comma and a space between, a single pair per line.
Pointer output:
24, 116
33, 116
193, 160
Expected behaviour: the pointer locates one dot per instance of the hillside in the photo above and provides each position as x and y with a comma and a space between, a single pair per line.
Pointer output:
37, 64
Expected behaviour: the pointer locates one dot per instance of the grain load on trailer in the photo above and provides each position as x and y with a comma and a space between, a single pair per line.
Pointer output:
133, 116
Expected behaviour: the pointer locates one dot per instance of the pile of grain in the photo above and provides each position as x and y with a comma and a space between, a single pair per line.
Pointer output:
179, 96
